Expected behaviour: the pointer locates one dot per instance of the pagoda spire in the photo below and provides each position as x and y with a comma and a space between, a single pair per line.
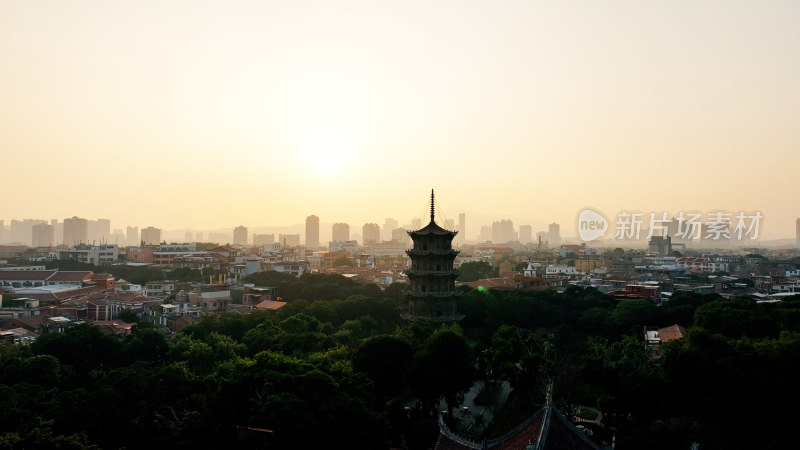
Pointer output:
432, 213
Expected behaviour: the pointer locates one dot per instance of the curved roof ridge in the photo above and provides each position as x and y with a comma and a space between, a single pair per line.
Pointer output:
456, 438
517, 429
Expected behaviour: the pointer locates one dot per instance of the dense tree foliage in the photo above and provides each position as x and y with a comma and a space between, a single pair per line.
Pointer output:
471, 271
337, 364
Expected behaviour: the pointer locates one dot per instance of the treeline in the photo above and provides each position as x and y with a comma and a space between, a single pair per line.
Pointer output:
336, 366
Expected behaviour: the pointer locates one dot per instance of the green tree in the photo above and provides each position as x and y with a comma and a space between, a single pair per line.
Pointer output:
443, 367
128, 316
476, 270
735, 317
630, 316
342, 261
145, 343
385, 359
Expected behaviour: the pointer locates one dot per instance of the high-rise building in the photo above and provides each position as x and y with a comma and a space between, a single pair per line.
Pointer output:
525, 234
371, 233
485, 234
117, 237
198, 237
541, 238
132, 236
312, 232
42, 235
461, 237
389, 225
21, 230
660, 245
796, 231
554, 235
400, 235
431, 292
188, 237
289, 240
263, 239
503, 231
151, 236
240, 235
58, 231
99, 231
340, 232
2, 232
76, 231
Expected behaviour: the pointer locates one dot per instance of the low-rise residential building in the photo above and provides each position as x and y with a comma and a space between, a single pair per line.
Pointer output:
350, 247
702, 264
294, 267
159, 289
140, 255
96, 254
558, 269
210, 301
650, 292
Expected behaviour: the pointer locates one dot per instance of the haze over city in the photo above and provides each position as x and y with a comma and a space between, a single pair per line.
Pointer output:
416, 225
209, 115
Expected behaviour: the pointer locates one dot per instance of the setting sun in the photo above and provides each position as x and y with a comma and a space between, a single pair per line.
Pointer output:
327, 150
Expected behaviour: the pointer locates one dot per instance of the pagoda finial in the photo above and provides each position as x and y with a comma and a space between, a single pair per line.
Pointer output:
432, 214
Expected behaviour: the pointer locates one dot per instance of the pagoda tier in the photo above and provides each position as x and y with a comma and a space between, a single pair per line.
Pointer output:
431, 292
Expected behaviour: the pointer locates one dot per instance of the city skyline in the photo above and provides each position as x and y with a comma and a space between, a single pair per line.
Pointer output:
497, 231
523, 111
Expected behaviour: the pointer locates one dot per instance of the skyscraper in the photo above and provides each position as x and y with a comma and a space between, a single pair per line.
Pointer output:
797, 231
371, 233
289, 240
340, 232
21, 230
525, 234
461, 237
389, 225
312, 232
42, 235
76, 231
99, 231
485, 234
132, 236
58, 231
151, 236
263, 239
554, 235
503, 231
240, 235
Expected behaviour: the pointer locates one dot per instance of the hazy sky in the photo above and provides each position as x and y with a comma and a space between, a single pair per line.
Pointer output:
210, 114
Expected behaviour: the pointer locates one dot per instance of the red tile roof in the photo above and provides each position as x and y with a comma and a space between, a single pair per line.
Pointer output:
270, 305
547, 429
671, 332
71, 276
497, 283
33, 275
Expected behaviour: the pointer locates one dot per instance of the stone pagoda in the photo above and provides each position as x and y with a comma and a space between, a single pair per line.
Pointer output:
431, 292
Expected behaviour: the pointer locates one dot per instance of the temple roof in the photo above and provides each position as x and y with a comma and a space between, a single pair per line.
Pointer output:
432, 227
546, 429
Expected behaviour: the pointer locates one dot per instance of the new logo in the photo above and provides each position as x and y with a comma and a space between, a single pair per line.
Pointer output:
591, 225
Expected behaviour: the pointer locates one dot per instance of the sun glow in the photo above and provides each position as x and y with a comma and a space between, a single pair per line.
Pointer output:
327, 150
